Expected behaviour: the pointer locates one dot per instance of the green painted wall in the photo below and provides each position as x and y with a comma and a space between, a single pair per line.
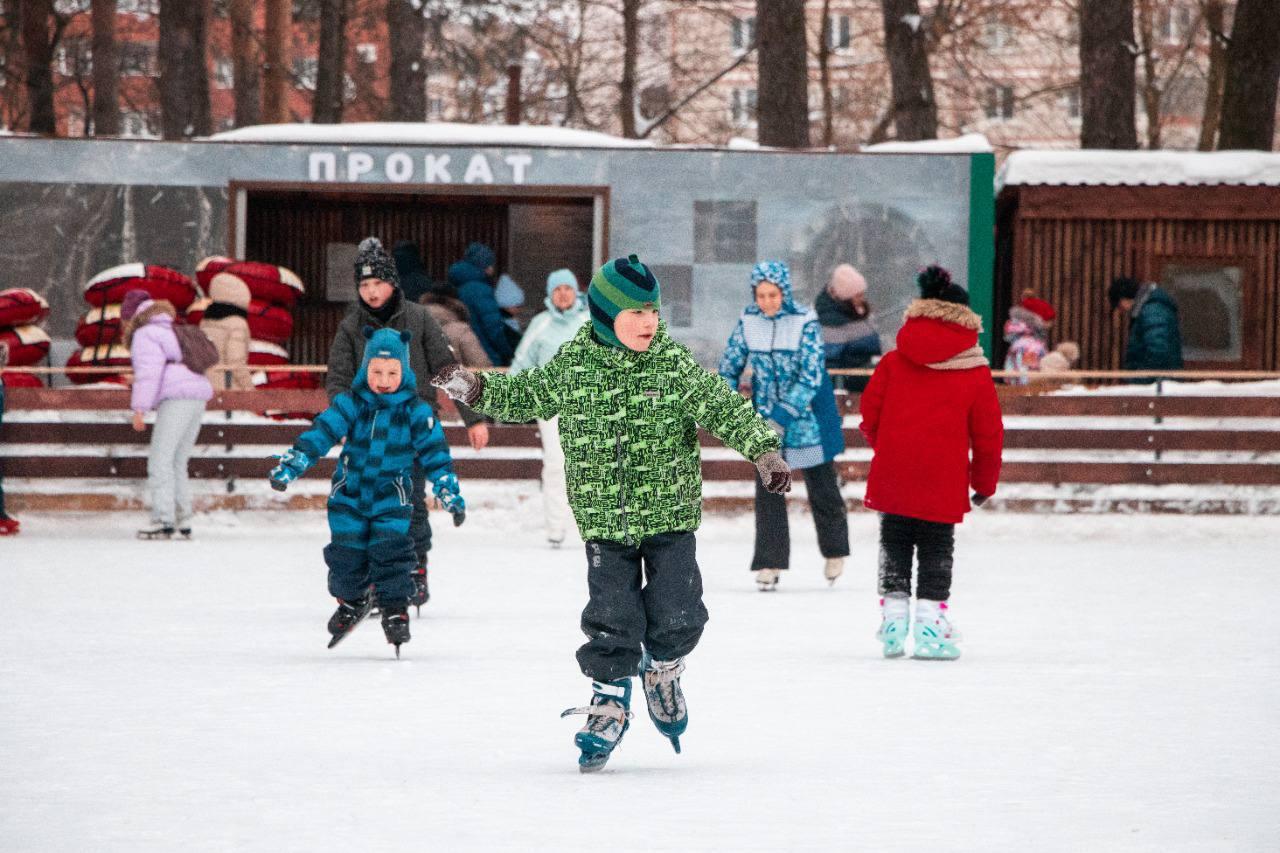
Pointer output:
982, 243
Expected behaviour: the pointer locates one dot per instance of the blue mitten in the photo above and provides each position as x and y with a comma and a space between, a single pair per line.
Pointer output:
293, 464
446, 491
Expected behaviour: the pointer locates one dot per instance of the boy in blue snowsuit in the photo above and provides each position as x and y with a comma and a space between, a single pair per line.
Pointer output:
387, 428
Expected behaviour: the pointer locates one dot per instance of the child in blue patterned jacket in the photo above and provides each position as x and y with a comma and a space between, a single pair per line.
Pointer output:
386, 427
782, 343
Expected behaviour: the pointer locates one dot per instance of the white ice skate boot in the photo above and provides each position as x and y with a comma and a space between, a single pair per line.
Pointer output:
934, 635
833, 568
894, 609
608, 717
662, 693
767, 579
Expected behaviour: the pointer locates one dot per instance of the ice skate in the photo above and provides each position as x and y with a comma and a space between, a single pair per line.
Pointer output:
664, 697
421, 594
184, 532
893, 624
608, 717
555, 544
767, 579
934, 636
395, 624
348, 615
157, 531
9, 526
833, 569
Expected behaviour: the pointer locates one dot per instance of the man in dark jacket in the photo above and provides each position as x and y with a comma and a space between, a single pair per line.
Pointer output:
1155, 338
382, 304
471, 276
414, 281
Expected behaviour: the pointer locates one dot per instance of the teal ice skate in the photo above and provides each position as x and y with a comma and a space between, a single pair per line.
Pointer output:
608, 717
893, 624
934, 635
664, 697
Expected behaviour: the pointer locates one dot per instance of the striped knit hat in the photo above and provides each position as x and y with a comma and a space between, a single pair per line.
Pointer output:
620, 285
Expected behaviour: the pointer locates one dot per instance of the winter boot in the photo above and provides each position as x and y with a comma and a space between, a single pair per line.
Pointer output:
662, 693
421, 595
9, 526
767, 579
894, 609
608, 717
395, 624
934, 635
833, 569
157, 531
348, 615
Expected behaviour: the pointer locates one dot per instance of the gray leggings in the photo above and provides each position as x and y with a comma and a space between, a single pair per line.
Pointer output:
172, 439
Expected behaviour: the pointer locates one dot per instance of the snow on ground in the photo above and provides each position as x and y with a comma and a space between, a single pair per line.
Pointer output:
1118, 692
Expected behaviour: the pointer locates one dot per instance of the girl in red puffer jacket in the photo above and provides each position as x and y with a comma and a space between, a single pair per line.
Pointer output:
929, 404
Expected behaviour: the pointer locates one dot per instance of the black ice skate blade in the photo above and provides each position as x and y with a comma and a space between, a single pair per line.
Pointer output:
936, 660
593, 763
675, 743
397, 645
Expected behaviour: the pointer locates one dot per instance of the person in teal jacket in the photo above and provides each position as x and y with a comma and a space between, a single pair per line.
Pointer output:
547, 332
1155, 336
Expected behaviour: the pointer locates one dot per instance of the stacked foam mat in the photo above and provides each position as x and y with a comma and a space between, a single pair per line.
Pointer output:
21, 312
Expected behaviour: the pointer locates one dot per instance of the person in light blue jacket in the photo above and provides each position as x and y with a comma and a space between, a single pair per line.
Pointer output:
782, 343
547, 332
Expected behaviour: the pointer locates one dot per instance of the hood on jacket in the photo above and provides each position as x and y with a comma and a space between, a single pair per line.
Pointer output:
564, 278
464, 272
936, 331
778, 273
480, 256
158, 310
230, 290
386, 343
507, 293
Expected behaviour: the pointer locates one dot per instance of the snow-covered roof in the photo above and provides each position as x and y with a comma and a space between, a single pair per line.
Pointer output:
1140, 168
427, 133
970, 143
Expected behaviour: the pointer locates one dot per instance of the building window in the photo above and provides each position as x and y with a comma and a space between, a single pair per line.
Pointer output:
999, 102
997, 36
135, 124
742, 106
1073, 102
305, 69
309, 10
435, 108
677, 294
224, 75
71, 7
367, 53
74, 57
1210, 301
724, 232
1174, 24
75, 122
138, 59
139, 8
838, 33
743, 33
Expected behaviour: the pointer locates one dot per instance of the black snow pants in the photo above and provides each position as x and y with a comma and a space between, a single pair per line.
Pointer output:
645, 596
931, 541
830, 516
419, 526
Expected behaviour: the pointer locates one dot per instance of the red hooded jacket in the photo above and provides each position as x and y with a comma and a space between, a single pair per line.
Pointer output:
929, 403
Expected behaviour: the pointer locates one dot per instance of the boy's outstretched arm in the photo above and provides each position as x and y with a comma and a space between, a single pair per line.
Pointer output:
431, 452
329, 428
522, 396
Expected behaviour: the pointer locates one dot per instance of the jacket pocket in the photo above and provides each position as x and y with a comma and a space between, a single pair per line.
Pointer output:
339, 478
401, 490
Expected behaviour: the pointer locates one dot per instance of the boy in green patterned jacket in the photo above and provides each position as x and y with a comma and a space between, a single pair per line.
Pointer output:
629, 400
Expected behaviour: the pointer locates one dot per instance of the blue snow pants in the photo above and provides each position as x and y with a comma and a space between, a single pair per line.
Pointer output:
370, 548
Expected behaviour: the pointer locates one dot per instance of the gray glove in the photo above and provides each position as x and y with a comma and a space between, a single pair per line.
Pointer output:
775, 473
460, 384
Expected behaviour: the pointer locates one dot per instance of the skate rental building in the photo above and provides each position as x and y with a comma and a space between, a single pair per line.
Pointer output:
302, 197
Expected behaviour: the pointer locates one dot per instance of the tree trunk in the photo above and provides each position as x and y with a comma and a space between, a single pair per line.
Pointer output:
915, 112
275, 37
783, 59
37, 54
1107, 75
184, 75
1252, 75
1215, 21
326, 107
515, 106
824, 75
1151, 94
246, 64
106, 107
407, 99
630, 55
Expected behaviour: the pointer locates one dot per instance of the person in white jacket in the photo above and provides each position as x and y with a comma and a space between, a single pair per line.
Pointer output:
547, 332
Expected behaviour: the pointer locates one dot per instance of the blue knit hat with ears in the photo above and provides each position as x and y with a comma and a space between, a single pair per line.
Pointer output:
386, 343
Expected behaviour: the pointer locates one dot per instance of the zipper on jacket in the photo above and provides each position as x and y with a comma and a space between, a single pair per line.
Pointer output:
622, 491
373, 425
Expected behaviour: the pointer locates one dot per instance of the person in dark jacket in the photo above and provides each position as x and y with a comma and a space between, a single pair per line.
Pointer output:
414, 281
381, 304
472, 276
850, 338
1155, 338
932, 419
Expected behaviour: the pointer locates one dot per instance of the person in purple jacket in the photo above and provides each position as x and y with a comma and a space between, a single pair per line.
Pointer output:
163, 384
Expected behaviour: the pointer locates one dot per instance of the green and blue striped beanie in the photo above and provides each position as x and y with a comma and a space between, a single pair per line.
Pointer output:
620, 285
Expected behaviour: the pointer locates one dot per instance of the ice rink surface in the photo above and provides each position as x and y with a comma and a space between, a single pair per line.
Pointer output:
1119, 690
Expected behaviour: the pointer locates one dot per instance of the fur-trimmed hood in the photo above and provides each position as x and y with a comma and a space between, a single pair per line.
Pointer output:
936, 332
148, 311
